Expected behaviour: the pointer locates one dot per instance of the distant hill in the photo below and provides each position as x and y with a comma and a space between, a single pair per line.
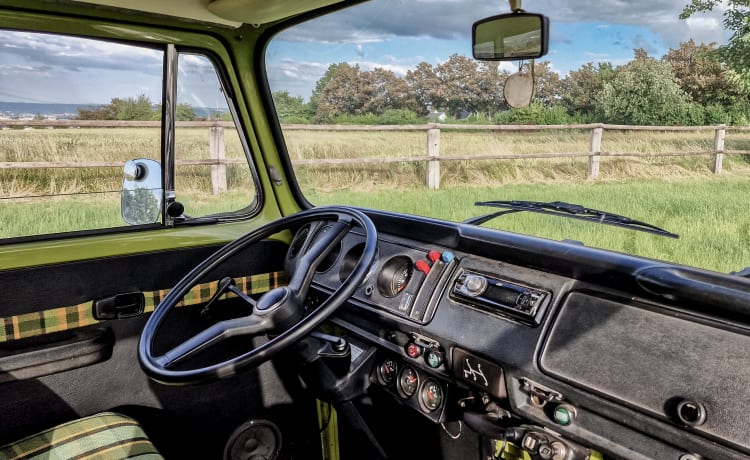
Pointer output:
62, 111
20, 109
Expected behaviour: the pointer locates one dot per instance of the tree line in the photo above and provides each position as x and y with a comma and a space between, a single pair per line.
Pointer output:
690, 85
133, 108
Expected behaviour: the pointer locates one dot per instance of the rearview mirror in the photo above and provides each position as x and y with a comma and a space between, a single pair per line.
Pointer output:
510, 37
141, 195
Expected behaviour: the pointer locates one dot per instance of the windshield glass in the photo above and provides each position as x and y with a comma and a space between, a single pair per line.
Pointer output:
639, 110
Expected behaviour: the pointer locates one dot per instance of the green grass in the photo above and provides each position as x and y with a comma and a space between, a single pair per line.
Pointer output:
710, 215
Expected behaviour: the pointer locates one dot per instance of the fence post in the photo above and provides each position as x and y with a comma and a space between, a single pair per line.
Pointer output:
217, 151
595, 151
433, 165
719, 148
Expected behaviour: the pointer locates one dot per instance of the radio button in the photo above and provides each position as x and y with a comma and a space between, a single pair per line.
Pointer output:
474, 285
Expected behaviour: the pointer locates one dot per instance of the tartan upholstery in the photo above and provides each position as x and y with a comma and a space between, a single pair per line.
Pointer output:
82, 315
102, 436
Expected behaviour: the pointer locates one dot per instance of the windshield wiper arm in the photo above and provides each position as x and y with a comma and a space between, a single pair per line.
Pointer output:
573, 211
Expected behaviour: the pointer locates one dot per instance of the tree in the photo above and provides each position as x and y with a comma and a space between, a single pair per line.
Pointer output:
736, 53
321, 84
701, 75
458, 89
344, 93
579, 87
421, 83
290, 108
383, 91
643, 92
130, 108
548, 84
491, 83
183, 112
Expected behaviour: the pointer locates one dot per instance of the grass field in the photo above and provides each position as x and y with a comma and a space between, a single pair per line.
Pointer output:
679, 194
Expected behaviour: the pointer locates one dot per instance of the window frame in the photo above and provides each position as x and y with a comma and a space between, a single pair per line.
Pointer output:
45, 24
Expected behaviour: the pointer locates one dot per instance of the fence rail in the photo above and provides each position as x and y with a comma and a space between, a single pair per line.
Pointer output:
432, 156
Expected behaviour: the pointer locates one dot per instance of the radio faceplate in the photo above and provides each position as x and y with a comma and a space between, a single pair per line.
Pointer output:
499, 296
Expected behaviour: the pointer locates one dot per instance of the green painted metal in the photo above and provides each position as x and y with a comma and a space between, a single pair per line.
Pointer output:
13, 256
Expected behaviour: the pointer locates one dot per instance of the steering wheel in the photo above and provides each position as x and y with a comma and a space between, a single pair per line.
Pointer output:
279, 313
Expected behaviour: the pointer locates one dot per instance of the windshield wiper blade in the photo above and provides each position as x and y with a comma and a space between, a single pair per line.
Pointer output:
573, 211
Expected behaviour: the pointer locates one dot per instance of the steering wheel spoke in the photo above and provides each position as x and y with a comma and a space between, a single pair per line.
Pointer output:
251, 325
309, 262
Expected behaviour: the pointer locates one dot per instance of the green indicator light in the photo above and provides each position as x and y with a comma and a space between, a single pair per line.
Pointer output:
563, 416
434, 359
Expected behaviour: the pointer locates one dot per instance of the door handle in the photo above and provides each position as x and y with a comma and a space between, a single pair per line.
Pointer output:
120, 306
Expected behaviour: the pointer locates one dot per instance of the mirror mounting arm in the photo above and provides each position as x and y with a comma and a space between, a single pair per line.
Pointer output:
515, 6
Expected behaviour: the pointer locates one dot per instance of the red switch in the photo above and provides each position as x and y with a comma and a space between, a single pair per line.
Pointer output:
413, 350
422, 266
434, 256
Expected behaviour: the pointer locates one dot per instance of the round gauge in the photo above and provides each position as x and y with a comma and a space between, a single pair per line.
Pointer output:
395, 276
387, 371
431, 395
408, 380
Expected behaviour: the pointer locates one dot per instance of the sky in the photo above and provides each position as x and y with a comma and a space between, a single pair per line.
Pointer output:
392, 34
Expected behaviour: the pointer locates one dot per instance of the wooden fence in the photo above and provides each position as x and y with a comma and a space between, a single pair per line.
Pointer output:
432, 155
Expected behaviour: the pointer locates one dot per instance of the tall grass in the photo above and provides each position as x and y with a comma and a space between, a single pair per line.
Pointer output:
678, 193
709, 214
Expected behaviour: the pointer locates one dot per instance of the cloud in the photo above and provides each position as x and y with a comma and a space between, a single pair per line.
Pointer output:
380, 20
74, 54
54, 68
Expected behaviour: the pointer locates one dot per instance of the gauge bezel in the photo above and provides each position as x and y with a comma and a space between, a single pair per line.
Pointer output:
422, 404
381, 378
400, 387
388, 274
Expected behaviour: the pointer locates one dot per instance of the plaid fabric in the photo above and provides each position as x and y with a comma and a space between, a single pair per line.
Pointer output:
81, 315
102, 436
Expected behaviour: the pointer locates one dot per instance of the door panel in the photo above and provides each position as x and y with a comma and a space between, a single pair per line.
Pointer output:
48, 327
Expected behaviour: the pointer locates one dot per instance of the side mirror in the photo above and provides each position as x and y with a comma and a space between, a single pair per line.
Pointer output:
141, 196
510, 37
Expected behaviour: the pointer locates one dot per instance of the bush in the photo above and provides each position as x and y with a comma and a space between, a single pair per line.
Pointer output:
739, 113
296, 120
716, 115
535, 114
390, 117
400, 117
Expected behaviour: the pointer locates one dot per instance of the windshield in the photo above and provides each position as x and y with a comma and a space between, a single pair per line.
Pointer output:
639, 110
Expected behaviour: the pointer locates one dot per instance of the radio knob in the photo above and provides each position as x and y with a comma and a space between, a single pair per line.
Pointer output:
474, 285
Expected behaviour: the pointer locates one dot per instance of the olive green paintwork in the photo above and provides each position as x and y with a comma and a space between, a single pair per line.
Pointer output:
234, 49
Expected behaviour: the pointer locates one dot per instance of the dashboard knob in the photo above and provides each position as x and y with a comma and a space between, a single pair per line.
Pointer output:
474, 285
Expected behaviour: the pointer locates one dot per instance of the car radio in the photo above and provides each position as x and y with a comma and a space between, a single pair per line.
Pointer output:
498, 296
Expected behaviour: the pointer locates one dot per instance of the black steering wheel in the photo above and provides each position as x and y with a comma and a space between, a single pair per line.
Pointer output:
279, 313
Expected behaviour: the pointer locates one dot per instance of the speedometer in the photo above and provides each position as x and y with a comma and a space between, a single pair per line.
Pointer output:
395, 276
401, 278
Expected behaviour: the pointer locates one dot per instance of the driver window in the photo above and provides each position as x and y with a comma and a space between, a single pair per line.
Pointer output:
72, 112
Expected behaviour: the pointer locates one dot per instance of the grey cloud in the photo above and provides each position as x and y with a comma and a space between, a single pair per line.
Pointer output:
409, 18
74, 54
